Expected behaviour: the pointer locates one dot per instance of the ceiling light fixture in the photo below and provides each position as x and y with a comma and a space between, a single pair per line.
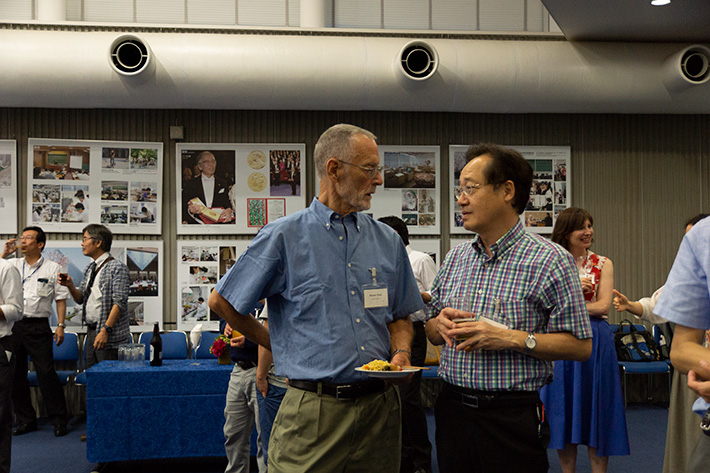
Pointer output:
660, 3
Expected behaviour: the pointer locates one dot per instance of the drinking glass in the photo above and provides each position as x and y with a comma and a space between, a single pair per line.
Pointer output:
464, 304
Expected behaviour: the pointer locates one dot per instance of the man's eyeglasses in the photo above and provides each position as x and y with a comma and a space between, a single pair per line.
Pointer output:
370, 171
468, 189
26, 238
87, 239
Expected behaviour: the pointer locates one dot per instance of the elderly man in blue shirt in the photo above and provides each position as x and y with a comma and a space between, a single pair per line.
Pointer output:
340, 288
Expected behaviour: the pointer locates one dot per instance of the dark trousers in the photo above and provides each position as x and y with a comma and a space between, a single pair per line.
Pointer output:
34, 337
416, 448
6, 369
489, 439
94, 356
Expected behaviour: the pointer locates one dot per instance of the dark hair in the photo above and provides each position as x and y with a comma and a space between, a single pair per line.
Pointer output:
79, 206
41, 236
569, 220
79, 194
398, 225
505, 165
200, 299
101, 233
696, 219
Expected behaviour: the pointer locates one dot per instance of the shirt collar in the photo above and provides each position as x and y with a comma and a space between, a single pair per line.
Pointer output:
37, 264
205, 178
102, 258
504, 243
327, 216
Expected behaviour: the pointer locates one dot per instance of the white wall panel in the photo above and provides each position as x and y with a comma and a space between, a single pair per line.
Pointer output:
294, 13
211, 12
535, 21
160, 11
358, 13
112, 11
406, 14
454, 15
16, 10
502, 15
262, 12
74, 11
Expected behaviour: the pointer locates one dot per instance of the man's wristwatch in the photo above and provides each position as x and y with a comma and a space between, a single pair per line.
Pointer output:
530, 343
108, 329
61, 325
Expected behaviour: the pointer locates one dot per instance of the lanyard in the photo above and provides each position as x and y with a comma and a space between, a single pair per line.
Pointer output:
32, 273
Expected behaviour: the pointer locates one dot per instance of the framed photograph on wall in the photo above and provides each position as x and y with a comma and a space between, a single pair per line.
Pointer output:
201, 263
411, 189
145, 270
8, 185
550, 192
237, 188
117, 183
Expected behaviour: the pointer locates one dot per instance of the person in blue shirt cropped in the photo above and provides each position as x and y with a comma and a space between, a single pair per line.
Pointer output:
340, 290
241, 410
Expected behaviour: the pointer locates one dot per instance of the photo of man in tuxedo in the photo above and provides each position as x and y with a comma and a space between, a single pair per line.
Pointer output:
205, 196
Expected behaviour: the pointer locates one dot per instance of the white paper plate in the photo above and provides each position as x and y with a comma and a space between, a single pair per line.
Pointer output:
388, 374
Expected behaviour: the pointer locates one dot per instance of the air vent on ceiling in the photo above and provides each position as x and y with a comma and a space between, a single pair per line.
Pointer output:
687, 68
418, 60
129, 55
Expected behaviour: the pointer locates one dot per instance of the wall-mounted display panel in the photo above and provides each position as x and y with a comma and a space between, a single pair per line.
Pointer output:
201, 264
550, 192
237, 188
8, 185
117, 183
145, 269
411, 189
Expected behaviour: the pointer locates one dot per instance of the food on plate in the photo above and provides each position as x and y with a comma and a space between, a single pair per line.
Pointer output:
380, 365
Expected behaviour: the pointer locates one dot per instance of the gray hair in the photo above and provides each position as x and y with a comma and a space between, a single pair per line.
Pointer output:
336, 142
101, 233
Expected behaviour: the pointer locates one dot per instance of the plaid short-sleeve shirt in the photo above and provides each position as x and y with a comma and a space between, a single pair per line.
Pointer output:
530, 281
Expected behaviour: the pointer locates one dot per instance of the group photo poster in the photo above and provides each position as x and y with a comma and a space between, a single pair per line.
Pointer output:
237, 188
410, 190
201, 264
115, 183
145, 270
8, 185
550, 192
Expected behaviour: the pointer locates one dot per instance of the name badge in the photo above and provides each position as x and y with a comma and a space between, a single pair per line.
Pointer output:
375, 298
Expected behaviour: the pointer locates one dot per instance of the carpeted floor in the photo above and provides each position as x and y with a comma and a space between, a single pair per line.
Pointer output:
41, 451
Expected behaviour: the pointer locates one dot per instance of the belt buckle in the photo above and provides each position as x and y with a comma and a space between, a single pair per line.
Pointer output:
340, 392
473, 403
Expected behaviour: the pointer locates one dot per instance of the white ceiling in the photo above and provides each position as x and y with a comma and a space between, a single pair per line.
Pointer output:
685, 21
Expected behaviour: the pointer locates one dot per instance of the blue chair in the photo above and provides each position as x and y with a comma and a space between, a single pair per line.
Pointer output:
65, 354
203, 351
649, 368
174, 345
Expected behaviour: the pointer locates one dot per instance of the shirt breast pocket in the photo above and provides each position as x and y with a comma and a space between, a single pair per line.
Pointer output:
44, 287
522, 315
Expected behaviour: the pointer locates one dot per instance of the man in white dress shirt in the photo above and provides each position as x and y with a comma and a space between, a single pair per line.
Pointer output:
33, 336
10, 312
416, 448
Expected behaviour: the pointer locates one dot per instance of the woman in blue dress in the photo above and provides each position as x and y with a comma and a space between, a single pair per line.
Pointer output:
584, 404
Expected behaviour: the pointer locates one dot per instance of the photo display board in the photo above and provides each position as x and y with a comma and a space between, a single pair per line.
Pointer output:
430, 247
411, 189
200, 265
550, 192
73, 183
145, 269
237, 188
8, 185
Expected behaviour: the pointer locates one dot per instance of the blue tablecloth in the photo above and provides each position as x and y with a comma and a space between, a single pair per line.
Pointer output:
137, 412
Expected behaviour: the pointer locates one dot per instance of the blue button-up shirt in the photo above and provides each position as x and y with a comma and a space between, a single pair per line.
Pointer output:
532, 284
313, 267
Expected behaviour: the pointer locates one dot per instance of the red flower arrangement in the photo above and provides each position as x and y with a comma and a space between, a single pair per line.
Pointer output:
220, 345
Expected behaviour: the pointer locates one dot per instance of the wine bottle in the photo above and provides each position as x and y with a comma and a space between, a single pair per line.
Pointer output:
156, 347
